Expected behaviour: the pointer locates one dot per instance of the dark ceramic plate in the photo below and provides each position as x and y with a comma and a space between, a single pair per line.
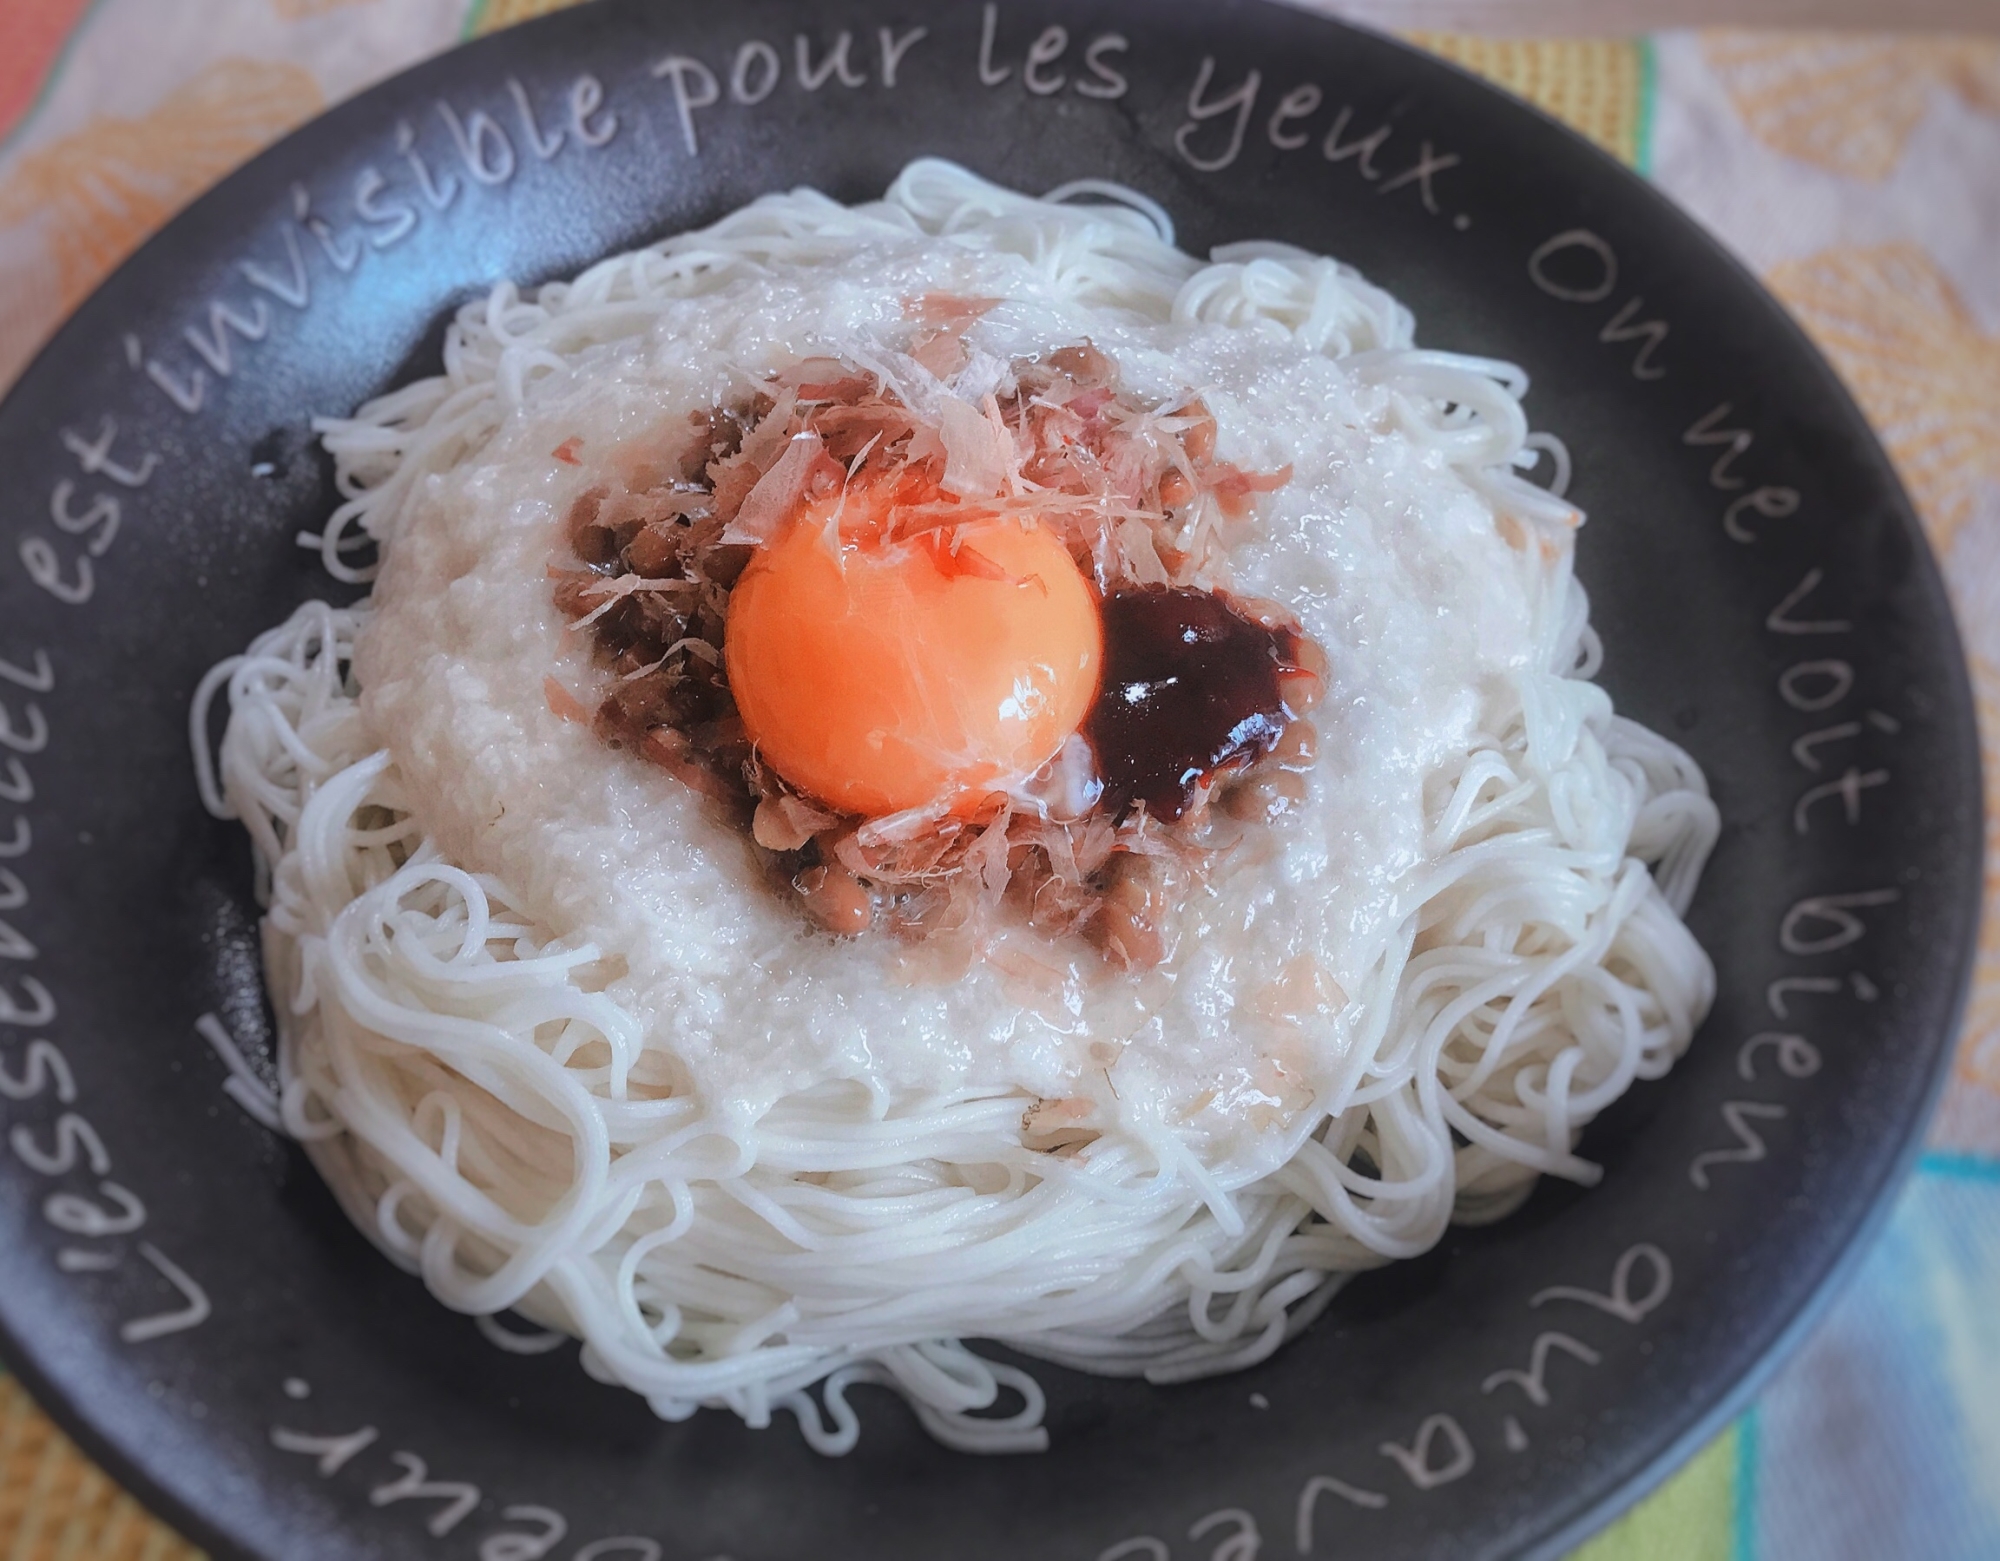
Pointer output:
178, 1288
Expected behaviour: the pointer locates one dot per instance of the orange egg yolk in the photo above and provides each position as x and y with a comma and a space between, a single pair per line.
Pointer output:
878, 676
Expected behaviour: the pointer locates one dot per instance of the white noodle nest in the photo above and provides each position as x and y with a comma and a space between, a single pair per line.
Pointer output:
492, 1118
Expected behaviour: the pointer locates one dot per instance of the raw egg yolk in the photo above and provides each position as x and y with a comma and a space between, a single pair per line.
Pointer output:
878, 676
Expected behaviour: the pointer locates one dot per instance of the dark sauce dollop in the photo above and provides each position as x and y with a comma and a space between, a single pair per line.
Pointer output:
1191, 687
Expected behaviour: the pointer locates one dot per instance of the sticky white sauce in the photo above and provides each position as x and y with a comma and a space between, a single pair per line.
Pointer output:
1384, 553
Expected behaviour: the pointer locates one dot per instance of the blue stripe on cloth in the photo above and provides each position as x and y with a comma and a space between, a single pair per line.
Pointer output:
1879, 1439
1972, 1166
1744, 1522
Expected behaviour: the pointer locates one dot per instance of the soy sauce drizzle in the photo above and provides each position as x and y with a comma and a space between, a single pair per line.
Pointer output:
1191, 688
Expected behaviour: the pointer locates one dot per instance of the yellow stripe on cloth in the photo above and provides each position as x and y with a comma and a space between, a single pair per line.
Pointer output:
55, 1505
491, 15
1597, 86
1690, 1518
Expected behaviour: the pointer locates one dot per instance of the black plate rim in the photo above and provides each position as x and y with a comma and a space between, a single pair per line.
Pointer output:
1828, 1287
1703, 1423
1839, 1275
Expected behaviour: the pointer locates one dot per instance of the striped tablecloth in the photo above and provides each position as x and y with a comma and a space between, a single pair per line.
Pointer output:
1858, 174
